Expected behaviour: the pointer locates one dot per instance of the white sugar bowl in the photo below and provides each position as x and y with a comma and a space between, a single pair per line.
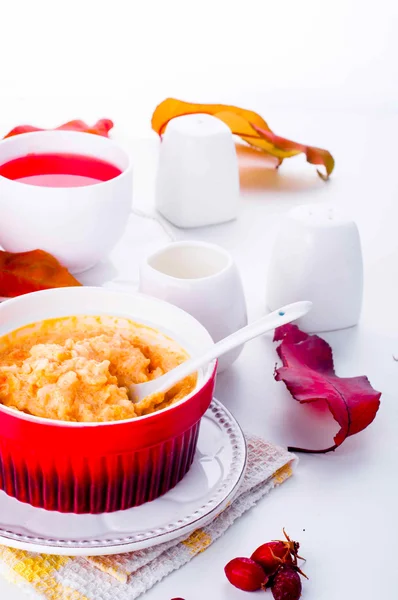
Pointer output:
317, 256
198, 176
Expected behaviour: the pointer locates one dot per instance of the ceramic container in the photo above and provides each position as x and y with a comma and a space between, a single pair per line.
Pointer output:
317, 256
78, 225
102, 467
198, 177
202, 279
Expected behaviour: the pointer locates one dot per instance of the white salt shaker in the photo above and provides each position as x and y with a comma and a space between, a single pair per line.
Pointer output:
198, 176
317, 256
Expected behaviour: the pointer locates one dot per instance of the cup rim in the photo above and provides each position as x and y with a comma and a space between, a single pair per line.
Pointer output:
208, 374
67, 133
190, 243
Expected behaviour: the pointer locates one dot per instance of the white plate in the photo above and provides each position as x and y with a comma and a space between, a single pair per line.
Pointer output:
211, 483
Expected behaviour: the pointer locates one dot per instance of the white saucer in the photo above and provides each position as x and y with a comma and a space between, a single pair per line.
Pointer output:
211, 483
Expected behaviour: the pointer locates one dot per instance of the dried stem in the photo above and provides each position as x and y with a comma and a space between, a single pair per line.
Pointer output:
306, 451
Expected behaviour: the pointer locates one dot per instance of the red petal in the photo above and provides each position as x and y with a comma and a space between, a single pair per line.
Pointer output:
101, 127
21, 129
289, 333
309, 375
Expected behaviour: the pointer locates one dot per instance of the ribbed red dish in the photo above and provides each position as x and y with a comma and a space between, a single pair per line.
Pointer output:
101, 467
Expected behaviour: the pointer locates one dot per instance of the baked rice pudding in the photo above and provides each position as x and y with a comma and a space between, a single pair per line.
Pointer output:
77, 368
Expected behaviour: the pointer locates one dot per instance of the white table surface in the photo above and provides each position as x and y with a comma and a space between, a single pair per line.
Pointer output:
341, 506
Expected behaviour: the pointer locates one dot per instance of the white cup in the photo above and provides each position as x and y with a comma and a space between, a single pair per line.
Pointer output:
203, 280
78, 225
198, 175
317, 256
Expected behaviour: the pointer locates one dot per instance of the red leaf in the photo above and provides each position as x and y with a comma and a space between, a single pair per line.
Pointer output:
101, 127
309, 375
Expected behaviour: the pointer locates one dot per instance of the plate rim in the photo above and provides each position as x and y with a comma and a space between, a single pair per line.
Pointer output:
151, 540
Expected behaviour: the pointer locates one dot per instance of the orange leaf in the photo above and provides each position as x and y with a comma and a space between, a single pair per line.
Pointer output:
241, 127
315, 156
24, 272
171, 108
246, 124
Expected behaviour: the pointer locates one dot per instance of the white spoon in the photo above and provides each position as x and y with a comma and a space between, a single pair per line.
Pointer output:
162, 384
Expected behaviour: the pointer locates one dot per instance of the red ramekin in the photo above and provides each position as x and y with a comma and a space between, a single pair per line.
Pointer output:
102, 467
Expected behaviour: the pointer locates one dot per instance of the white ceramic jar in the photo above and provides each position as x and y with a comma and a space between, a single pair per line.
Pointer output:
317, 256
198, 176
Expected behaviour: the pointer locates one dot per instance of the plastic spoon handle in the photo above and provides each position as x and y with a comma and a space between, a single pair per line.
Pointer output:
279, 317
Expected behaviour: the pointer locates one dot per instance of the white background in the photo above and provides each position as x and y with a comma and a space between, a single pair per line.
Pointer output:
130, 54
320, 72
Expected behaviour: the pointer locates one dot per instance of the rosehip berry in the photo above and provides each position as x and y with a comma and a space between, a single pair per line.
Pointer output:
286, 584
272, 555
246, 574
